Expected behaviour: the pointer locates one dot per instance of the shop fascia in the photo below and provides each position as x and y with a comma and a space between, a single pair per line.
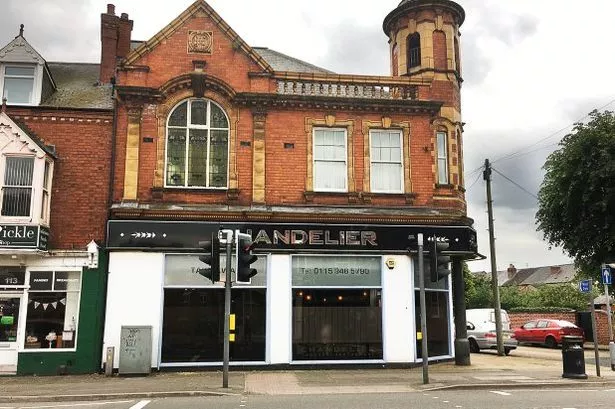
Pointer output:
169, 235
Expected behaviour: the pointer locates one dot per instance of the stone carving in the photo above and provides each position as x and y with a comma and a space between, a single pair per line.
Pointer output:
200, 42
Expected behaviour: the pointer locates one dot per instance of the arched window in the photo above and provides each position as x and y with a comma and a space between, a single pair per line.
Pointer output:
414, 50
197, 145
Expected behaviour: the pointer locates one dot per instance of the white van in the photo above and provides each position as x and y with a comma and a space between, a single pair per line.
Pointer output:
482, 331
484, 318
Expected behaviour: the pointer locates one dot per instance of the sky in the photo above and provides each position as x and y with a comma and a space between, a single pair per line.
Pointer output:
531, 68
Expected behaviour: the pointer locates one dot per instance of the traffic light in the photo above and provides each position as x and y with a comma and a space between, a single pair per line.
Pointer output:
211, 257
244, 259
438, 263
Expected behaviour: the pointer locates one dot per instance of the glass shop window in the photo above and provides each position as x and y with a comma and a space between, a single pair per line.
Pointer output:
53, 309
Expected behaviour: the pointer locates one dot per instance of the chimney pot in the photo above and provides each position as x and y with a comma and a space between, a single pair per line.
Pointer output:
111, 9
124, 16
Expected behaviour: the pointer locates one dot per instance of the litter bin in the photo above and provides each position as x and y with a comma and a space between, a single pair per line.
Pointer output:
573, 357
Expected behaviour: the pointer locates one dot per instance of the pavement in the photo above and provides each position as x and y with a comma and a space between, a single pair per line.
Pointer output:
487, 371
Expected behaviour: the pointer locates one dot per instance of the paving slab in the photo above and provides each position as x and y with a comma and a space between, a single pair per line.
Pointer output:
487, 370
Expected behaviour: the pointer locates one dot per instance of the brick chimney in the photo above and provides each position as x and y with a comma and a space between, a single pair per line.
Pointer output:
554, 270
511, 271
115, 41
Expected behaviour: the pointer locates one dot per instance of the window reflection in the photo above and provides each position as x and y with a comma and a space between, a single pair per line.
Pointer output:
193, 325
336, 324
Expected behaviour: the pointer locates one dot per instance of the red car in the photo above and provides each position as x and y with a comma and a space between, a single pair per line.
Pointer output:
547, 332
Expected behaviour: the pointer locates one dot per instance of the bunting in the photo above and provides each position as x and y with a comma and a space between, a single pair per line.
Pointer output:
47, 304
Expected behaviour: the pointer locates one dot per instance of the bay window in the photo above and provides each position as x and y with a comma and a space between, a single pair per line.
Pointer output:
17, 186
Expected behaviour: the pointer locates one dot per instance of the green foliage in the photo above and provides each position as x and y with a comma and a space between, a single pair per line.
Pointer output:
577, 196
478, 290
479, 294
563, 296
515, 297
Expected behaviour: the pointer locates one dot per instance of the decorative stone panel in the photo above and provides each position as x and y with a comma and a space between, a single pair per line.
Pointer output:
200, 42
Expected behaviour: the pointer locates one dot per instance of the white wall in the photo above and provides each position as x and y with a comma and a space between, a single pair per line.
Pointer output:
398, 329
134, 297
279, 309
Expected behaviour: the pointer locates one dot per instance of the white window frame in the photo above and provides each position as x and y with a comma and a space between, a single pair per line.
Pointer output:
36, 83
372, 161
206, 127
46, 191
37, 214
317, 187
442, 175
32, 188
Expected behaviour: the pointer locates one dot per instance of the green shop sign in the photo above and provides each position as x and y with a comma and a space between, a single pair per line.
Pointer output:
7, 320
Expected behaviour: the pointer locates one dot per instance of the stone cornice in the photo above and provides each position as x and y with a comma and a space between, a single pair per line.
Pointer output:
303, 215
290, 101
334, 103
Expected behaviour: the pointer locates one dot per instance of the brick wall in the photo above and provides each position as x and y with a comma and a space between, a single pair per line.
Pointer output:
81, 173
286, 168
439, 50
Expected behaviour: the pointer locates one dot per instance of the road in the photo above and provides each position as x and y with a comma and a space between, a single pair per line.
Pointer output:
445, 399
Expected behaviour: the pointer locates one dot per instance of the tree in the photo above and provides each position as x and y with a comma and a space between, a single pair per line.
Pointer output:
477, 289
576, 201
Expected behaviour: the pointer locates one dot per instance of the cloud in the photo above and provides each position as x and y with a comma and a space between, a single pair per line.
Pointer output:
490, 27
52, 29
363, 50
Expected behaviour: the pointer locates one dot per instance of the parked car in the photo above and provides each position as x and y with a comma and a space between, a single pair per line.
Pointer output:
482, 331
547, 332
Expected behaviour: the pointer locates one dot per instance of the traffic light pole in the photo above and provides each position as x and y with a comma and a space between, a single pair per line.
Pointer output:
227, 307
423, 306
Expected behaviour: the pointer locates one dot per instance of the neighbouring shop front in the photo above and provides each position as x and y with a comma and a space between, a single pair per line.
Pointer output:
50, 309
323, 294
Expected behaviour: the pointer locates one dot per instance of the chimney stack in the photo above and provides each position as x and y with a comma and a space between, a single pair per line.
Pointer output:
115, 35
123, 39
511, 271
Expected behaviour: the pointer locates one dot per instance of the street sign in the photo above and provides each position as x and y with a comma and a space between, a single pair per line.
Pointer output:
606, 275
585, 286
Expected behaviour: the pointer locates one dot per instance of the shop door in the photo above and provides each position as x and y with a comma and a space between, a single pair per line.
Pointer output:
9, 319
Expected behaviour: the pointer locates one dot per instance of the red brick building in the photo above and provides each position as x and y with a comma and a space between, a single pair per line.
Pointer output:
331, 174
56, 124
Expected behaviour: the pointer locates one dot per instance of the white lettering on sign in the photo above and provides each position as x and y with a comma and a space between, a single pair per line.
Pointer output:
16, 232
318, 238
334, 270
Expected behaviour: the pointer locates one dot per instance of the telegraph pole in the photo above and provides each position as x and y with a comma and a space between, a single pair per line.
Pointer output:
494, 271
